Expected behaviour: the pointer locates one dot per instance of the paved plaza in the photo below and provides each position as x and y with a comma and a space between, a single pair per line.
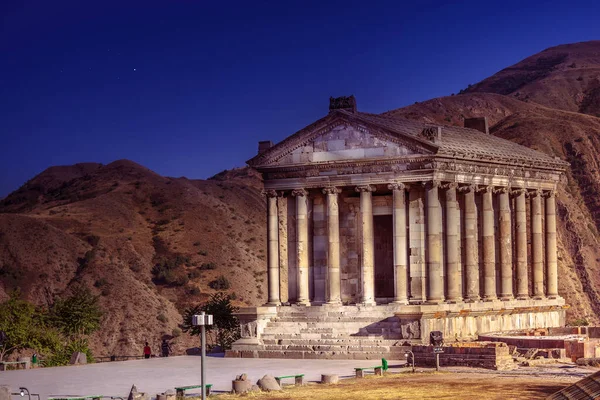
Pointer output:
159, 374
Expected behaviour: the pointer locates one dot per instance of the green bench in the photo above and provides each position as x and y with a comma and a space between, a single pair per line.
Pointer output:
377, 369
298, 379
181, 390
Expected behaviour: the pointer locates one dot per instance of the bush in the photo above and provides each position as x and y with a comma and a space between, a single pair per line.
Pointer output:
221, 283
176, 332
168, 271
226, 327
162, 318
579, 322
207, 266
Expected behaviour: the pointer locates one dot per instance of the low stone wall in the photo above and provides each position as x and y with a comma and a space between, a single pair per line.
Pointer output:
494, 356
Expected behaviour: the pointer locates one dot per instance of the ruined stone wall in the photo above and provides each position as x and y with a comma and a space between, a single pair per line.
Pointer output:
494, 356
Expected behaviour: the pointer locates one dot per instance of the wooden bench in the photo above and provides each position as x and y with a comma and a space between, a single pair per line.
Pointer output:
377, 369
181, 390
4, 364
298, 379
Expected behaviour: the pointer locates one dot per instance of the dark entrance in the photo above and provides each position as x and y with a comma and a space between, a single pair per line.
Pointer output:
384, 255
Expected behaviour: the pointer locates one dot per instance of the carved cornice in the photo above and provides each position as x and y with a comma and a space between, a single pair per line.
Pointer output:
365, 188
269, 193
299, 192
331, 190
397, 186
433, 184
549, 193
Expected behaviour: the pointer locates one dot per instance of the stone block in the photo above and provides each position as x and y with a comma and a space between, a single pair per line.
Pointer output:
330, 378
5, 393
78, 358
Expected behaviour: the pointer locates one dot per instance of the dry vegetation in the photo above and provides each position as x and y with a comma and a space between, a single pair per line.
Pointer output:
421, 386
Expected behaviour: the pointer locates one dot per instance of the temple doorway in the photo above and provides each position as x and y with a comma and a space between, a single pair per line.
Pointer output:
384, 256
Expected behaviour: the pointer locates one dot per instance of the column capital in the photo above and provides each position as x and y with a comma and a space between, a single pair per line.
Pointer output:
549, 193
485, 189
467, 188
502, 190
449, 185
331, 190
299, 192
365, 188
434, 183
269, 193
396, 186
518, 192
534, 193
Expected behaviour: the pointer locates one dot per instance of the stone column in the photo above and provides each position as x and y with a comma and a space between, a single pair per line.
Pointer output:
416, 236
282, 210
400, 243
551, 250
521, 244
537, 244
302, 244
471, 250
435, 271
506, 274
273, 248
368, 246
452, 244
489, 246
333, 248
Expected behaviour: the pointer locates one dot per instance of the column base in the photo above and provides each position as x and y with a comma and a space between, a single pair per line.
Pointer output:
472, 299
304, 303
507, 297
522, 297
490, 298
272, 304
403, 302
416, 301
553, 296
434, 301
454, 301
538, 297
368, 303
333, 303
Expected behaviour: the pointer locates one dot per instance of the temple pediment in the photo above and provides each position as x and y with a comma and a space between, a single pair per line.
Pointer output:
341, 140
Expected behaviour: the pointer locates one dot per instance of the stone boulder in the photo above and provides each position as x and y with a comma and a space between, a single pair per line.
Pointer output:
268, 384
78, 358
330, 378
5, 393
135, 395
241, 384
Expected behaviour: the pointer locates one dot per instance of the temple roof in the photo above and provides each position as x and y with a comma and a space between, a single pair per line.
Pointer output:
454, 142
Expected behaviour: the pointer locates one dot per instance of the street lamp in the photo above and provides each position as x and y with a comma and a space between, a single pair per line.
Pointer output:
406, 353
23, 390
202, 320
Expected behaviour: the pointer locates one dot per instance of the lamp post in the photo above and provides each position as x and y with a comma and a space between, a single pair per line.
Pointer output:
412, 358
202, 320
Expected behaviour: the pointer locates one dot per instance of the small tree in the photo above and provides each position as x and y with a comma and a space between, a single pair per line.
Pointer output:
77, 315
24, 326
225, 329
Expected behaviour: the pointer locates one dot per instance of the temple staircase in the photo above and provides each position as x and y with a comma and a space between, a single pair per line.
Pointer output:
330, 332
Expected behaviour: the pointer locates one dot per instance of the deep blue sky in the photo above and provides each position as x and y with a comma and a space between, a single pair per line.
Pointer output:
188, 87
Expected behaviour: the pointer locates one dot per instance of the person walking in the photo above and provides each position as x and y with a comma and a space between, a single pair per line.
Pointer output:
166, 348
147, 351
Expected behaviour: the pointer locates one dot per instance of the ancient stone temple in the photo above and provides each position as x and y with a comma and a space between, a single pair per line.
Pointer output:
381, 229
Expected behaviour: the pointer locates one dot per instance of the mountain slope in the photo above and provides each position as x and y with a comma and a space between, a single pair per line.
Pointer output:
565, 77
108, 227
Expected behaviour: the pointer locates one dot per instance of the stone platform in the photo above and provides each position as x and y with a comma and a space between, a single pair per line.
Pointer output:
372, 332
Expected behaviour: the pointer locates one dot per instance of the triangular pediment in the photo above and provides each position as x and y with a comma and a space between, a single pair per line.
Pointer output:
341, 138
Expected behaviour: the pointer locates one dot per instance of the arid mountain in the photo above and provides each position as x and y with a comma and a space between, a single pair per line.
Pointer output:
148, 245
565, 77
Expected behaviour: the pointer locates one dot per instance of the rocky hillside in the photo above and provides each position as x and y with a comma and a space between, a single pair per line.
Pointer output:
565, 77
146, 244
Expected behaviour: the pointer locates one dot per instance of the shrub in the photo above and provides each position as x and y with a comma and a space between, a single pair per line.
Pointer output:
162, 318
100, 282
221, 283
579, 322
176, 332
207, 266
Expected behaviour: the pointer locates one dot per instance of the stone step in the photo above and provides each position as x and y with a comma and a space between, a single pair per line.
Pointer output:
332, 355
322, 336
333, 342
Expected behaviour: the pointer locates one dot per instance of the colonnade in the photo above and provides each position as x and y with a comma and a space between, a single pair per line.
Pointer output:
449, 277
